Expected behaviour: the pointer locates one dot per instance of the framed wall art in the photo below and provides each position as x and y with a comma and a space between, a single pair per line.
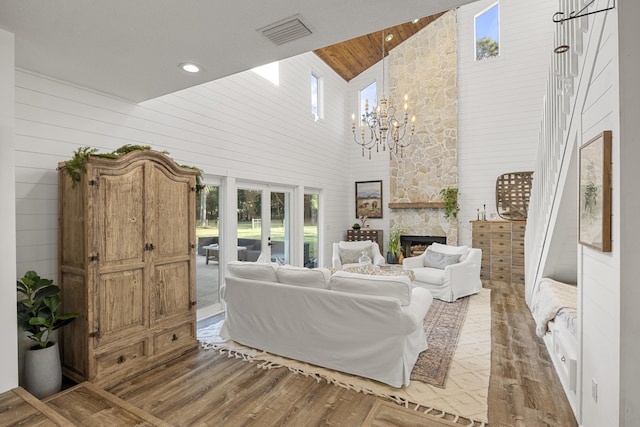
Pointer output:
369, 199
594, 229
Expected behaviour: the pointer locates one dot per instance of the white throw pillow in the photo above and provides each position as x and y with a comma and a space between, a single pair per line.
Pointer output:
388, 286
463, 251
300, 276
439, 260
253, 270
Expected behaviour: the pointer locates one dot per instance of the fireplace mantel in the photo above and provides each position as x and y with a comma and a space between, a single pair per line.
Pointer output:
416, 205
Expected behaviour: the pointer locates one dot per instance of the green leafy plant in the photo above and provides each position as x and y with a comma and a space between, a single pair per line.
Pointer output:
450, 198
75, 167
38, 308
394, 246
356, 226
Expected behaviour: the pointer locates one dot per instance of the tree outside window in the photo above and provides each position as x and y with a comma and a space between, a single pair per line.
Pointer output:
487, 33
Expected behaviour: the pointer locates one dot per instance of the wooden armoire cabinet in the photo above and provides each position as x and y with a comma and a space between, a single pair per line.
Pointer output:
127, 265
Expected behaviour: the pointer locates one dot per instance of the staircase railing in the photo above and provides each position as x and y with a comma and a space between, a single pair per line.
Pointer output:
553, 139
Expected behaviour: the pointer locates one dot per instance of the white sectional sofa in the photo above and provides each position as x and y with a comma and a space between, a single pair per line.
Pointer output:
371, 326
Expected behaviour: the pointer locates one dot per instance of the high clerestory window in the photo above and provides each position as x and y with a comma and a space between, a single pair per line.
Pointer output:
316, 96
487, 33
368, 95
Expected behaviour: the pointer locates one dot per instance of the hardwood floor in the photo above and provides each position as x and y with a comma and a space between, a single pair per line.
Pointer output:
524, 389
204, 388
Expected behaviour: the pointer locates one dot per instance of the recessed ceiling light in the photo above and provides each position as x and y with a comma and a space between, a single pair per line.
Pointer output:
389, 37
415, 21
189, 67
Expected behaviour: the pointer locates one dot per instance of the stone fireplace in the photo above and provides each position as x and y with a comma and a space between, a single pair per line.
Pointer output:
424, 67
416, 245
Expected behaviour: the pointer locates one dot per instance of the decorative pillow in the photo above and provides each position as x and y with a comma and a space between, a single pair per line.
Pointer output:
463, 251
351, 256
439, 260
253, 270
389, 286
301, 276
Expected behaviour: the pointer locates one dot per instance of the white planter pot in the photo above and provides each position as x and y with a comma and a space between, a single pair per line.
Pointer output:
24, 344
43, 371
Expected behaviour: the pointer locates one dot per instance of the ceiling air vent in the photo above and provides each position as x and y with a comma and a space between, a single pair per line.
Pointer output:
287, 30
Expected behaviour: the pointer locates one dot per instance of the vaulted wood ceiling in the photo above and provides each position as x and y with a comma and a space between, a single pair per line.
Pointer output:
352, 57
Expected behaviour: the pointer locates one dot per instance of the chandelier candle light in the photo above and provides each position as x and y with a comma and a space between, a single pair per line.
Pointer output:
384, 129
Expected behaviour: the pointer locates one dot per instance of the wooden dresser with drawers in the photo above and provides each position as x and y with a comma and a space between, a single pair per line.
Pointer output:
502, 244
366, 234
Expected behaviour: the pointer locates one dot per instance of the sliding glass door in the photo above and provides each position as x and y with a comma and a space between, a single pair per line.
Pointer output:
208, 272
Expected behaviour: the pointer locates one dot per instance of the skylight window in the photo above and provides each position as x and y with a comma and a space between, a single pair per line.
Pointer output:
270, 72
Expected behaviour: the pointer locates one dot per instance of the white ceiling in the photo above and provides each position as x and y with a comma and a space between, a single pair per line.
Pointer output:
132, 48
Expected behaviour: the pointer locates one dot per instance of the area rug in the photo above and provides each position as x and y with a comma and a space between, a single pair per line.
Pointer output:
442, 326
462, 400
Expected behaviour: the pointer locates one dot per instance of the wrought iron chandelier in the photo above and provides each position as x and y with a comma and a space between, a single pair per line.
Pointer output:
384, 128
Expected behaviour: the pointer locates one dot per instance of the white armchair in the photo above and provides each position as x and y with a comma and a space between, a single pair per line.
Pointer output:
445, 275
346, 254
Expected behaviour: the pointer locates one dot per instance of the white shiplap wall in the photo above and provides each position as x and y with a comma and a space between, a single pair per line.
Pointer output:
499, 101
597, 109
9, 353
242, 126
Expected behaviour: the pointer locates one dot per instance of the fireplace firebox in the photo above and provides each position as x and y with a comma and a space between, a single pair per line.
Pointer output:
416, 245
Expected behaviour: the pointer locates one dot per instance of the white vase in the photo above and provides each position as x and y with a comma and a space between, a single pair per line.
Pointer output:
42, 371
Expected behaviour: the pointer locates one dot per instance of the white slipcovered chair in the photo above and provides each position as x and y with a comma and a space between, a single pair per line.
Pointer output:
346, 254
448, 272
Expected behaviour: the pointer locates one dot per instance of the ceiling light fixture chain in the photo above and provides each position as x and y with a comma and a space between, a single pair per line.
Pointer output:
384, 129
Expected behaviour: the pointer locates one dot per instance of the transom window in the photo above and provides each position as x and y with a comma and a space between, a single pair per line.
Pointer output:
368, 95
487, 33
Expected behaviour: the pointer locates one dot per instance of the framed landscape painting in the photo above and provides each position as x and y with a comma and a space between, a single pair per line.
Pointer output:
595, 193
369, 199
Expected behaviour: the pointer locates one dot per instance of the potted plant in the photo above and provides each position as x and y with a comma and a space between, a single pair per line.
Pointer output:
39, 315
394, 248
450, 198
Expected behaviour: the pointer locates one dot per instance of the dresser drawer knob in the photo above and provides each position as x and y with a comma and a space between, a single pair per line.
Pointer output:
174, 338
121, 359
